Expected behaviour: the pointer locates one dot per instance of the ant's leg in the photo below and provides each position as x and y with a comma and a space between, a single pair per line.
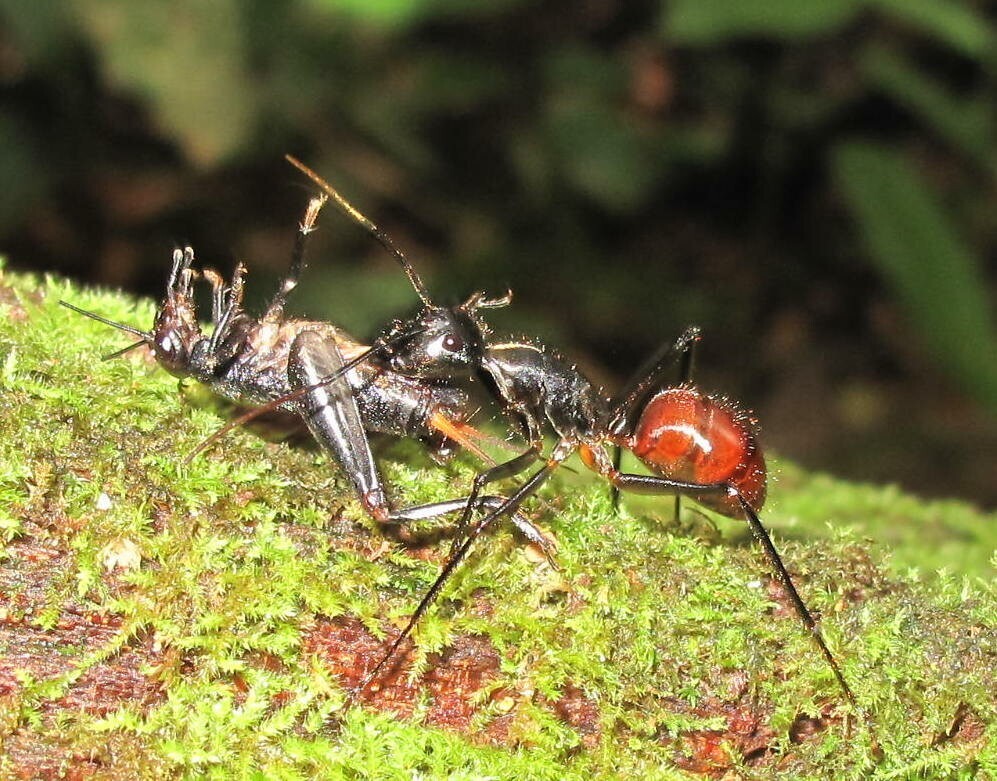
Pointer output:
275, 310
652, 484
762, 536
686, 365
436, 509
527, 489
509, 468
646, 380
614, 491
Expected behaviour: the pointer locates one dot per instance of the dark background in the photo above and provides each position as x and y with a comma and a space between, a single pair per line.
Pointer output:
811, 181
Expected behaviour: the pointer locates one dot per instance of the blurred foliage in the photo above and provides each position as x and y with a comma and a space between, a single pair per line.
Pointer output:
812, 181
935, 276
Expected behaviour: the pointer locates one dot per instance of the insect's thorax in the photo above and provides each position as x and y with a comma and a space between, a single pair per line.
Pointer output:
539, 385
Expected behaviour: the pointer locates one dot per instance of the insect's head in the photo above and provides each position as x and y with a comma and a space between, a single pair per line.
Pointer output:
175, 330
443, 342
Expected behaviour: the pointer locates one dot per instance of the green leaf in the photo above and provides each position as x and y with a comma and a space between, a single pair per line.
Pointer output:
187, 59
966, 123
404, 13
714, 21
602, 156
937, 278
954, 24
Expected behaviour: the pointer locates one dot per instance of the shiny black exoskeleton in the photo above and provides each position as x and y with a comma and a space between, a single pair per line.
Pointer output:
279, 360
694, 444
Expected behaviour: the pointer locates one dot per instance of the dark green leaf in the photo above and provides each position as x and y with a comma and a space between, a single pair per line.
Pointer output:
952, 23
187, 59
967, 123
714, 21
938, 280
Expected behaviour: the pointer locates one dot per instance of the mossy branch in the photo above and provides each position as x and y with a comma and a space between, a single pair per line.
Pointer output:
158, 618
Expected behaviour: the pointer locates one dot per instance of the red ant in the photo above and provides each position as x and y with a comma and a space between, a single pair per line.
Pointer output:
696, 445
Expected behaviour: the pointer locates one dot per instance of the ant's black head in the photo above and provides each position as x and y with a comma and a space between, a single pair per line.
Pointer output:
441, 342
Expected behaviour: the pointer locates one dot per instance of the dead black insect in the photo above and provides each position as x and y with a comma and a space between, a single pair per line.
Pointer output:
256, 360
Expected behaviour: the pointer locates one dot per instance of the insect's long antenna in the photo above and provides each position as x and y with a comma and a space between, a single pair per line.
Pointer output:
146, 336
123, 350
382, 238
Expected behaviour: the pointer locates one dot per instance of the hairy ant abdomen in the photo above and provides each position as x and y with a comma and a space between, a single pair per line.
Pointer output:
683, 434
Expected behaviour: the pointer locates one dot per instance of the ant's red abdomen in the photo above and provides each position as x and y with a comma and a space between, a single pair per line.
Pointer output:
684, 435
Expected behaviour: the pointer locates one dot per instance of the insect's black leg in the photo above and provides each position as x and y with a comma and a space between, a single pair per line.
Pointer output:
509, 468
379, 235
480, 503
275, 310
762, 536
181, 274
653, 484
230, 309
526, 490
614, 491
218, 293
687, 359
331, 414
628, 403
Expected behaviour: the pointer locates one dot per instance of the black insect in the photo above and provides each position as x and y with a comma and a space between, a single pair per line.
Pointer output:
254, 360
699, 446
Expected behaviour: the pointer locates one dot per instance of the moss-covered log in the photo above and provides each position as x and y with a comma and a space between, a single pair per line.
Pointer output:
164, 619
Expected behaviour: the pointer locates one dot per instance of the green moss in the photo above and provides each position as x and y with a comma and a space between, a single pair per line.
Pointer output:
666, 639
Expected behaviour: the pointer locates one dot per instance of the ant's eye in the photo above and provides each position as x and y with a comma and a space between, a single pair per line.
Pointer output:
453, 343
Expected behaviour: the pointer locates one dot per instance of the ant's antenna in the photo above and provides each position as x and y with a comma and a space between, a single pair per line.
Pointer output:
382, 238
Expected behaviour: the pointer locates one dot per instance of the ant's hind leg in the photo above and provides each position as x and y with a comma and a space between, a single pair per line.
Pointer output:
653, 484
626, 405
